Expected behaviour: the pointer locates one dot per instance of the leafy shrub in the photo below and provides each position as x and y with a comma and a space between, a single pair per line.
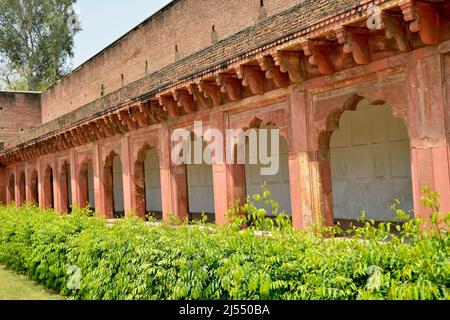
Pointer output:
130, 260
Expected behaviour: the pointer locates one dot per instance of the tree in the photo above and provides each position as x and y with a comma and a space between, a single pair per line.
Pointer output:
36, 42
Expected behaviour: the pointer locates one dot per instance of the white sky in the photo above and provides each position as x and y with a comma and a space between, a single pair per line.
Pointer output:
104, 21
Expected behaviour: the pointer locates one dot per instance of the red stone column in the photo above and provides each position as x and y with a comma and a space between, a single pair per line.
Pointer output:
16, 186
174, 189
308, 197
41, 173
228, 179
428, 104
127, 174
82, 185
97, 166
9, 197
74, 177
56, 182
3, 185
27, 184
58, 200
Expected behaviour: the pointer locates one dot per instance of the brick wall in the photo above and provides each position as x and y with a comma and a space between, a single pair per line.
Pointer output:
18, 112
186, 24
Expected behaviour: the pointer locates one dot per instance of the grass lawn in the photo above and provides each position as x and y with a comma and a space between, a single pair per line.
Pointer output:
14, 286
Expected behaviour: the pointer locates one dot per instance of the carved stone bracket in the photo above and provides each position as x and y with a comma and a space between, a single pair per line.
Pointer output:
184, 100
139, 114
396, 29
116, 124
356, 42
169, 105
267, 64
230, 84
252, 77
79, 136
210, 90
127, 120
291, 63
157, 112
320, 55
102, 125
425, 19
202, 100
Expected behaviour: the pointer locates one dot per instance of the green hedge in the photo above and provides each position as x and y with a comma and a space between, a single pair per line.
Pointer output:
131, 260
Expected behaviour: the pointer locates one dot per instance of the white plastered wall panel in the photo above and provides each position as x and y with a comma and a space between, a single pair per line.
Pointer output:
152, 182
118, 185
278, 184
371, 166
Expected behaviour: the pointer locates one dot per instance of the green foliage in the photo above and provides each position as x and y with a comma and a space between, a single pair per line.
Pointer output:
130, 260
260, 212
35, 42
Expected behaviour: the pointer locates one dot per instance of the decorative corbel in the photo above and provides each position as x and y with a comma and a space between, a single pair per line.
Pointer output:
230, 84
144, 108
396, 29
356, 42
102, 125
83, 137
75, 137
252, 77
169, 105
48, 146
273, 72
184, 100
290, 62
202, 100
96, 131
319, 56
118, 126
85, 128
127, 120
139, 114
60, 143
425, 19
63, 141
210, 90
151, 113
157, 112
71, 139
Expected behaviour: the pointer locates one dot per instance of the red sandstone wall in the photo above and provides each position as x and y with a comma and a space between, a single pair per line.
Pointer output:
187, 25
18, 112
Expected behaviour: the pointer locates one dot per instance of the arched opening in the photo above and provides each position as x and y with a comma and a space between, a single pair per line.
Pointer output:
147, 180
200, 183
86, 185
275, 155
49, 199
113, 186
370, 162
12, 188
65, 188
34, 188
22, 189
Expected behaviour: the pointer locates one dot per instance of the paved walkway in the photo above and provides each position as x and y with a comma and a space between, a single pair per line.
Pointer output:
14, 286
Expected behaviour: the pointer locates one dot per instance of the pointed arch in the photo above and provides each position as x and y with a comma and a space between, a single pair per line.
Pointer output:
113, 186
348, 162
147, 182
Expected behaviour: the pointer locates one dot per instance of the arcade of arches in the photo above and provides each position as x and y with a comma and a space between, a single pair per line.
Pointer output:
363, 163
364, 119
